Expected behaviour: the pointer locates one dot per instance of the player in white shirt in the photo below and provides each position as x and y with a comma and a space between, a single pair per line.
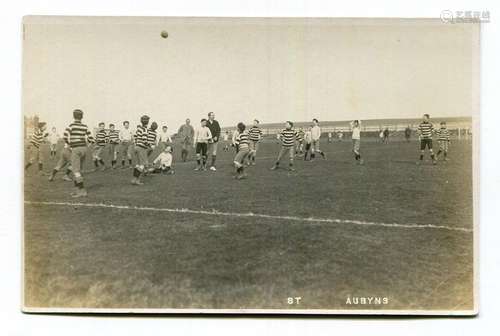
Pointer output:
164, 138
316, 134
163, 163
356, 140
53, 140
202, 136
225, 137
126, 143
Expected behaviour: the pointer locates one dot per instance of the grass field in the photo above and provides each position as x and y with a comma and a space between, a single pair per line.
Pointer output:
319, 233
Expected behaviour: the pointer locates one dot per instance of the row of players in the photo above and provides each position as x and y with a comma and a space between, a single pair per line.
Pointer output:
140, 144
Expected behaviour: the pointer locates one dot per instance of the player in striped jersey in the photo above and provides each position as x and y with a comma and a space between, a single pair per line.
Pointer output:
254, 134
444, 140
299, 148
36, 140
114, 141
425, 130
141, 150
152, 139
287, 137
76, 136
243, 139
102, 139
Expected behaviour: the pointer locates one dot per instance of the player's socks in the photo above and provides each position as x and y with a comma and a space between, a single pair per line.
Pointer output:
439, 152
421, 157
445, 154
130, 162
101, 161
214, 157
40, 166
96, 163
136, 173
53, 174
322, 155
113, 163
312, 156
123, 163
27, 165
433, 157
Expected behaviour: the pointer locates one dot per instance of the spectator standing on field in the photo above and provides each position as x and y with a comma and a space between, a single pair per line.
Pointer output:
186, 133
214, 127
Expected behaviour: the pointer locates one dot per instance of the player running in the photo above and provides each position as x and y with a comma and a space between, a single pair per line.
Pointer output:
77, 136
287, 137
243, 140
36, 140
255, 135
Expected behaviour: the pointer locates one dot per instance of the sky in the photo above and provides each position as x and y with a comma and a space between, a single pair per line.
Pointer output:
117, 69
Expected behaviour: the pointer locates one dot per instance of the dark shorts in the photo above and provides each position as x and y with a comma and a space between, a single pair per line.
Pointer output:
425, 143
201, 148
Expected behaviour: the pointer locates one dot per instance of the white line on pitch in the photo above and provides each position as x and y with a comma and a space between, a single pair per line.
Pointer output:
253, 215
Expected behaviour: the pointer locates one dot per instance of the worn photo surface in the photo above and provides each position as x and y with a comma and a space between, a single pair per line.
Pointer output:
250, 165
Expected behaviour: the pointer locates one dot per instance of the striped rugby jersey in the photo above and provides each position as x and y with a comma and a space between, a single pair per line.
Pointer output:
101, 138
425, 129
443, 134
151, 137
300, 136
288, 137
242, 139
77, 135
141, 137
114, 136
37, 138
255, 133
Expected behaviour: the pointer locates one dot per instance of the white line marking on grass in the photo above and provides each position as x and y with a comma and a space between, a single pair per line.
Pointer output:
252, 215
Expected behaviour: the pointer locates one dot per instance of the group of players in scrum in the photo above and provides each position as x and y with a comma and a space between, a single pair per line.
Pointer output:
141, 144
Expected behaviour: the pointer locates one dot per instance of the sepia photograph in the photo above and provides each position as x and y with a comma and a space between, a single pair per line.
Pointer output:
245, 165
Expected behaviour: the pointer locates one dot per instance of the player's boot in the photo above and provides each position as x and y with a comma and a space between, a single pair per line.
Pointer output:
80, 193
274, 167
212, 168
67, 178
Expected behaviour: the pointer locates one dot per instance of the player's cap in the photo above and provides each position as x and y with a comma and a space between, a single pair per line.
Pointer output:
77, 114
41, 124
144, 119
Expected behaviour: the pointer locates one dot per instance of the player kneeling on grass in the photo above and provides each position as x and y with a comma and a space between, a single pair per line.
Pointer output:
243, 140
64, 161
356, 140
444, 140
425, 130
202, 136
141, 150
36, 140
287, 137
163, 163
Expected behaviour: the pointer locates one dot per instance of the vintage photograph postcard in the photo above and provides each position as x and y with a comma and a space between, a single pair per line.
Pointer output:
250, 165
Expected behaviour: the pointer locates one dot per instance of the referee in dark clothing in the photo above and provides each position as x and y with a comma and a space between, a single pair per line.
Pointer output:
214, 127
